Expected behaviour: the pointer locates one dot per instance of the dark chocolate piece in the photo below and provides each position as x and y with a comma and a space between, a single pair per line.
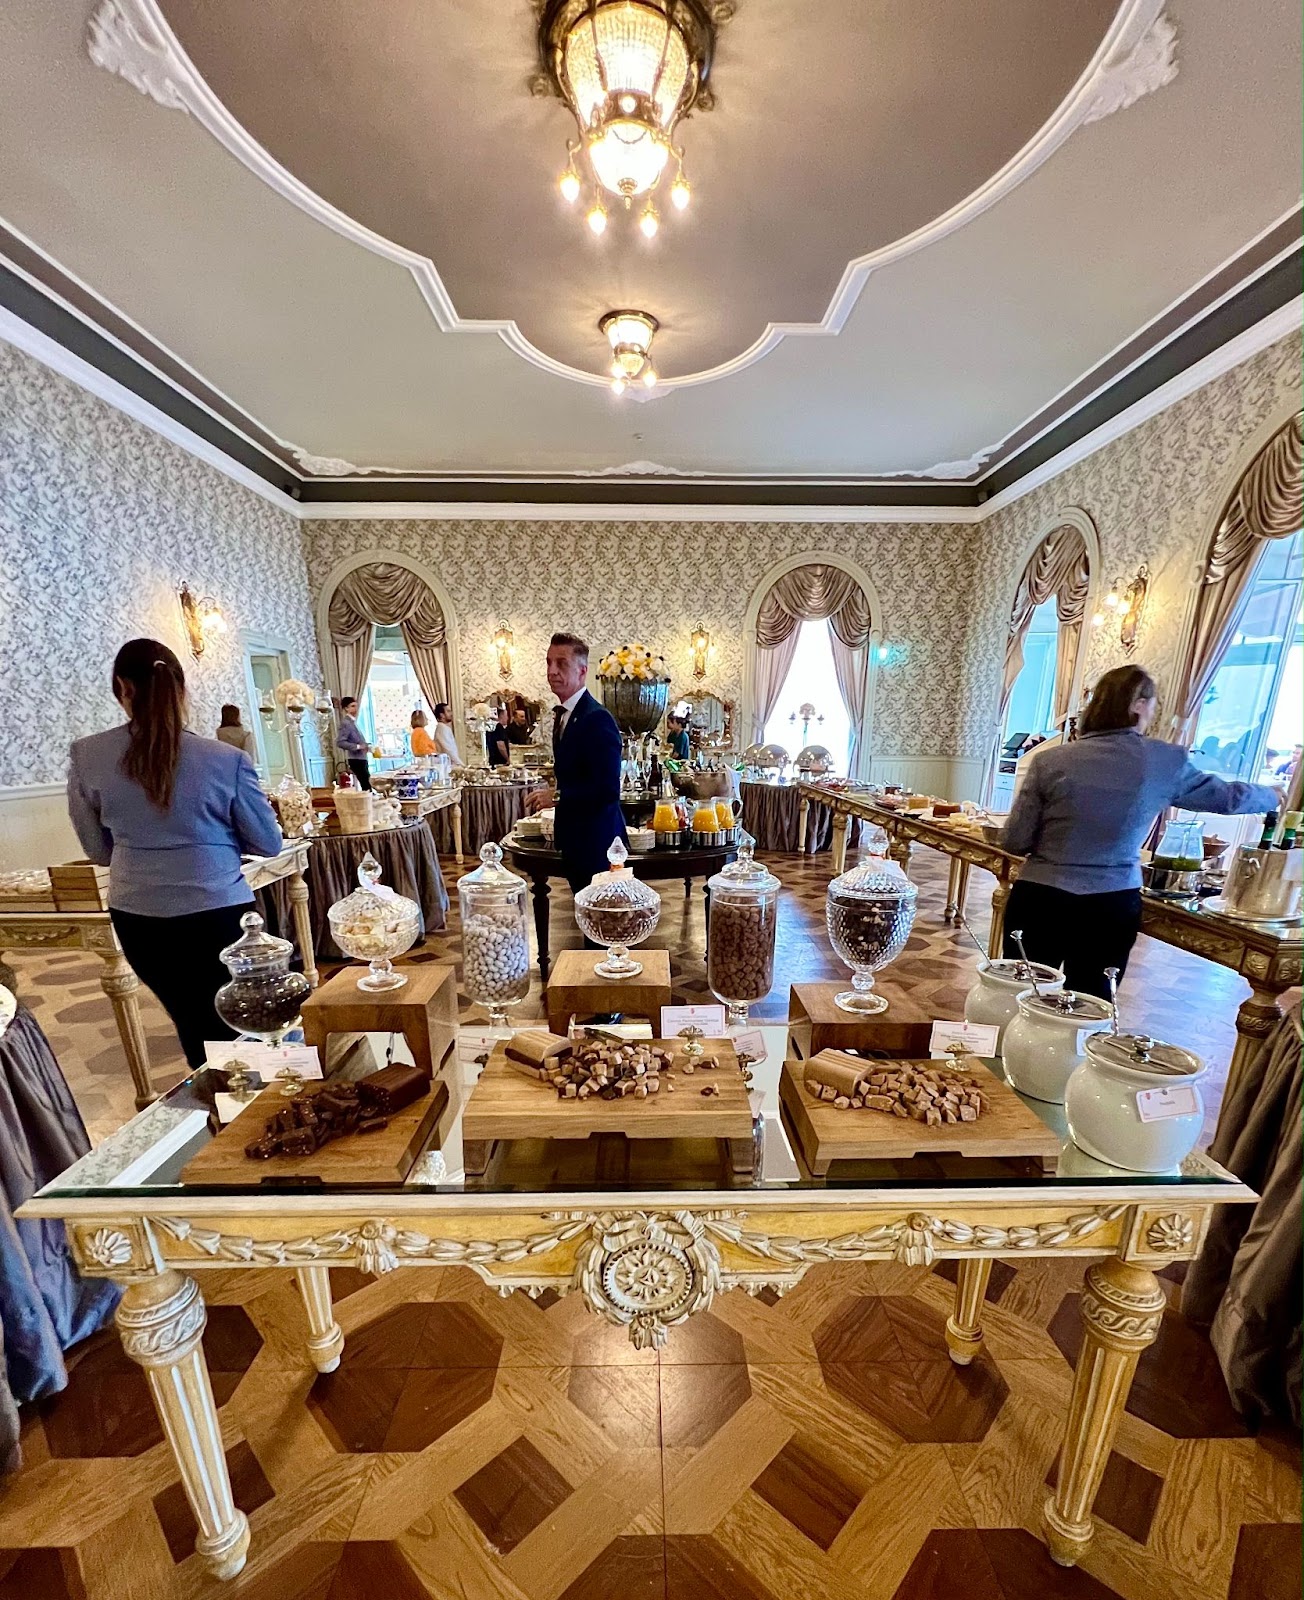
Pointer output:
392, 1088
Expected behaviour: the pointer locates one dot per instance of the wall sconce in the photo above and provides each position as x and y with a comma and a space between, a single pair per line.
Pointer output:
701, 642
505, 645
1127, 605
883, 654
202, 617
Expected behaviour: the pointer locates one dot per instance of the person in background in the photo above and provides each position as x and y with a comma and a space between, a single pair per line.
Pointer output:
677, 738
519, 730
445, 738
586, 752
422, 743
497, 741
349, 739
170, 815
232, 731
1081, 816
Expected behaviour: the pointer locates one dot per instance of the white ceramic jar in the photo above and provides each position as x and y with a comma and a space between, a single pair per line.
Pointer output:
1043, 1044
1104, 1115
993, 1000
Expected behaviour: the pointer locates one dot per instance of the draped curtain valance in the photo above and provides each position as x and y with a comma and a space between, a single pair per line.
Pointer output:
1058, 569
386, 594
1267, 503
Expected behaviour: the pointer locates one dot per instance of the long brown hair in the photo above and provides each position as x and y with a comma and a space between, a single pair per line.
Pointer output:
1110, 707
156, 704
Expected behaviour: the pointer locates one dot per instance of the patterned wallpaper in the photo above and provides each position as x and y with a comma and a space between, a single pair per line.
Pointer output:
613, 582
100, 521
1154, 496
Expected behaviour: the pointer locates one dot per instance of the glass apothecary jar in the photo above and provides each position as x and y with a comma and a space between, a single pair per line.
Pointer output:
870, 912
495, 936
263, 998
617, 910
375, 924
740, 944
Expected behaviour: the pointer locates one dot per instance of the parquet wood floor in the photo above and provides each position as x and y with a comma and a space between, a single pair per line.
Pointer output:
818, 1446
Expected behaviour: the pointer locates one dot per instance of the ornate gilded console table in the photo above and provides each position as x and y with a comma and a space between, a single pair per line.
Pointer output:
644, 1258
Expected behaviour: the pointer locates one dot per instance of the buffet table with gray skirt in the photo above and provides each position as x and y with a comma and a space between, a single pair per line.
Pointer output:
771, 814
409, 864
489, 811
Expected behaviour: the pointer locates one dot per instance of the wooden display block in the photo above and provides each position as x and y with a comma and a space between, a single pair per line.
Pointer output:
815, 1023
424, 1011
80, 886
506, 1105
825, 1134
575, 990
358, 1159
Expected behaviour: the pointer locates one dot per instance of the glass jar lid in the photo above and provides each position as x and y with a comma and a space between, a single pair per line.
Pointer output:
1067, 1006
373, 898
746, 875
1140, 1053
491, 870
873, 880
256, 950
617, 888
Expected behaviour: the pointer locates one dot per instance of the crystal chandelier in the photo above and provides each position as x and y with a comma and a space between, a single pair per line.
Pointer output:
630, 335
628, 70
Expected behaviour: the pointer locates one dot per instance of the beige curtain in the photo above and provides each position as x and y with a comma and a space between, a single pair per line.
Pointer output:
1268, 503
1058, 567
772, 663
814, 593
388, 594
852, 668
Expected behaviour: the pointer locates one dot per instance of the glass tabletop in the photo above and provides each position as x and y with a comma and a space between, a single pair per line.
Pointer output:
147, 1156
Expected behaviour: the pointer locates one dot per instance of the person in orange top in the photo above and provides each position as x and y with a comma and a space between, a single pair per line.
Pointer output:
422, 743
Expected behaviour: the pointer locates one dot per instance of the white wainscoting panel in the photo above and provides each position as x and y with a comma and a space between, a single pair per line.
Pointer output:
949, 777
34, 827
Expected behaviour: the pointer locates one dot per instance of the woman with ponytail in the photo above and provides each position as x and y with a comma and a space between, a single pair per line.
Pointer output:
170, 815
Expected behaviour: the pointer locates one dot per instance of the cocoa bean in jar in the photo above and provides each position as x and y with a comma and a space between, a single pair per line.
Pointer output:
740, 954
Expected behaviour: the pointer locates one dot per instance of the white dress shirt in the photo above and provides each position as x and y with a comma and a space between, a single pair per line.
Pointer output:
567, 706
446, 741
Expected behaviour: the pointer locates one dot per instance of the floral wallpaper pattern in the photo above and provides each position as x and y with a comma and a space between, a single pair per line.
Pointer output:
654, 581
100, 521
1153, 495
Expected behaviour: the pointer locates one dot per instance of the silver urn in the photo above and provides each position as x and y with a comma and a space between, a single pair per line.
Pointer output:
638, 707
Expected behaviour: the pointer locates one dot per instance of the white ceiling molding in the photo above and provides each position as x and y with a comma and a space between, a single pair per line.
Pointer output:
133, 39
638, 469
326, 466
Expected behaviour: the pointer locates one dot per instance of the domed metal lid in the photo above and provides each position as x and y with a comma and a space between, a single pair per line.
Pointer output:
1138, 1052
1067, 1006
1009, 969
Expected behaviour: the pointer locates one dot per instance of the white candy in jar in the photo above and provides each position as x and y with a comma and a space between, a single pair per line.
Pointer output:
495, 957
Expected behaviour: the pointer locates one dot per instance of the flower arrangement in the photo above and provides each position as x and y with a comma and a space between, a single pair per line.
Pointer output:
634, 662
294, 695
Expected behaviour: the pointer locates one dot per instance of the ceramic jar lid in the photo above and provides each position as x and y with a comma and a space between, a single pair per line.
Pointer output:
1068, 1006
1138, 1052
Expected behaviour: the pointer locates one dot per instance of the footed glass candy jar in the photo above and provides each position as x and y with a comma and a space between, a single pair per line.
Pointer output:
495, 936
740, 945
618, 911
375, 924
870, 912
264, 997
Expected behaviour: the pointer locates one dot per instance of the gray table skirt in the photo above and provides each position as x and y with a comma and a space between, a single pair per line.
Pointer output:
486, 814
409, 864
771, 814
45, 1305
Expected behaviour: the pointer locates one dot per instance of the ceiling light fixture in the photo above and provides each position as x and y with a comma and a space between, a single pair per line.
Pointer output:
630, 335
629, 70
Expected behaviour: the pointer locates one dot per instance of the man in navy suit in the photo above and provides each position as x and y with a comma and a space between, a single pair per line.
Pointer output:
586, 754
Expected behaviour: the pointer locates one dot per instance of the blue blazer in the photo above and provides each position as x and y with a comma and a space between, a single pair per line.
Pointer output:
187, 858
586, 764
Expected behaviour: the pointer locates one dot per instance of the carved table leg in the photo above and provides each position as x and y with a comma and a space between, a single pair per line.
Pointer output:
996, 938
803, 820
962, 891
298, 891
899, 850
122, 986
161, 1321
457, 829
1122, 1307
1255, 1020
540, 889
952, 890
841, 824
964, 1332
325, 1337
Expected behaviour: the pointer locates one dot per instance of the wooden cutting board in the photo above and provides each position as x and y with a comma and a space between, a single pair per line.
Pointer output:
383, 1157
506, 1105
1006, 1128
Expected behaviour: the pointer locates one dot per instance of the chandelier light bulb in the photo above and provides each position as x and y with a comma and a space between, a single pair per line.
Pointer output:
598, 219
649, 222
649, 378
618, 386
680, 193
569, 184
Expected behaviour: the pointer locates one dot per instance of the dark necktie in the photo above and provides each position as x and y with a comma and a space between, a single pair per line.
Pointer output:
558, 713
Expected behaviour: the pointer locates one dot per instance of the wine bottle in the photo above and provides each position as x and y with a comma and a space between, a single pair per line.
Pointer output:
1269, 831
1290, 833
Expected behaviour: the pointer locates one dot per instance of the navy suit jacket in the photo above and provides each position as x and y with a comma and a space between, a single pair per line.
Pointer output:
586, 764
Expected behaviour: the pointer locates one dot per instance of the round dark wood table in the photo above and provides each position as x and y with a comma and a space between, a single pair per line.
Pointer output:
539, 865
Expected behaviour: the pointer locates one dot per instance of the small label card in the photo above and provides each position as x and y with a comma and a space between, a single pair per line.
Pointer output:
751, 1043
710, 1019
264, 1059
1157, 1105
978, 1038
228, 1107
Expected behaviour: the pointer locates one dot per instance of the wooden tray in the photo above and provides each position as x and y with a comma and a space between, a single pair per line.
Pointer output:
506, 1105
386, 1156
1006, 1128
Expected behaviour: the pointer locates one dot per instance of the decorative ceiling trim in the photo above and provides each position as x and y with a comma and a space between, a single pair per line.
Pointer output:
132, 39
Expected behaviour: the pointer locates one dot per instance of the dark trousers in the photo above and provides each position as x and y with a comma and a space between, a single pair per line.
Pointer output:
1083, 933
177, 959
360, 767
